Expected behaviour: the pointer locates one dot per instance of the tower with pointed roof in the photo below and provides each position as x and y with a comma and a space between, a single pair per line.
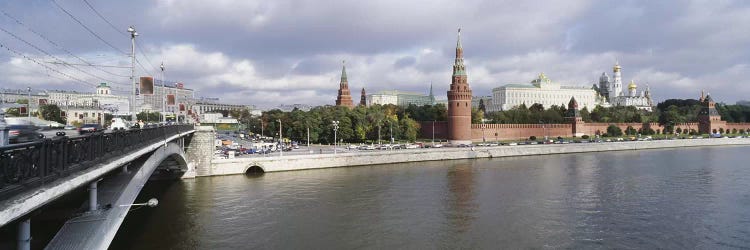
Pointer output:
344, 97
459, 100
573, 116
363, 98
708, 117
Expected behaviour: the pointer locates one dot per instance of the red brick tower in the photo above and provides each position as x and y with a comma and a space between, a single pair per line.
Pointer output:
459, 101
708, 118
573, 116
344, 98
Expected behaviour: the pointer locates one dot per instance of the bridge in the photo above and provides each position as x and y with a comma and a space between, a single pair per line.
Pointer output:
111, 167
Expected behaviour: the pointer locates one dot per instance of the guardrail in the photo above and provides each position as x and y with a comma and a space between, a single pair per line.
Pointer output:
28, 165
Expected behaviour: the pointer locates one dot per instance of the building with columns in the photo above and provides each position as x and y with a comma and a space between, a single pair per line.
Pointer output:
344, 97
544, 91
459, 100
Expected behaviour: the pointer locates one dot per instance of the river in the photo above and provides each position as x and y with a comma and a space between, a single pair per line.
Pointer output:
669, 198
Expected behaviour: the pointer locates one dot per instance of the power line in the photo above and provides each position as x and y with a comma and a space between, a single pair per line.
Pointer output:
50, 55
148, 60
47, 67
87, 28
58, 46
105, 19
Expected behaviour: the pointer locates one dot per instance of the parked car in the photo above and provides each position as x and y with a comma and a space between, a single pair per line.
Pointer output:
90, 128
19, 133
69, 127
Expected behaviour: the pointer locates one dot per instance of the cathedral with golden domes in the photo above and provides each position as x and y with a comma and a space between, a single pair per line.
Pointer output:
611, 92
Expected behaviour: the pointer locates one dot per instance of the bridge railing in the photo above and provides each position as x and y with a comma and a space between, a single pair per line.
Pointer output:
28, 165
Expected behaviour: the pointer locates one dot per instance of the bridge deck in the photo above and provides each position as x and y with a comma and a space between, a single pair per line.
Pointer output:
95, 230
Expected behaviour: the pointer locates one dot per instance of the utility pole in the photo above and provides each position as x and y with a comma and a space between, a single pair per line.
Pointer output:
133, 34
67, 109
335, 130
28, 103
433, 133
163, 95
281, 140
308, 139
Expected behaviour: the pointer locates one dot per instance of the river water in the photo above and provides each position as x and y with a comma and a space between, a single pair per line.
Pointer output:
673, 198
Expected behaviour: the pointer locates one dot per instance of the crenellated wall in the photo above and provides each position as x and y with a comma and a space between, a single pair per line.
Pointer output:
495, 132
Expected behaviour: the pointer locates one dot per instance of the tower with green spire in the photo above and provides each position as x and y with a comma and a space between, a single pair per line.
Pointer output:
344, 97
459, 100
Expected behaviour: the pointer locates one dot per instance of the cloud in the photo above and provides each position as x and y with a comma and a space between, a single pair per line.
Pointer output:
290, 51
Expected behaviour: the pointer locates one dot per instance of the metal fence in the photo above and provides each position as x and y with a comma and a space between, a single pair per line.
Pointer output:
28, 165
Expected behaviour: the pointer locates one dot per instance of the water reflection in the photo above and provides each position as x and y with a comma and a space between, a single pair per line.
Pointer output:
461, 205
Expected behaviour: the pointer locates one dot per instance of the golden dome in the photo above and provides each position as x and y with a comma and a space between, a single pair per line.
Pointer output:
632, 85
617, 67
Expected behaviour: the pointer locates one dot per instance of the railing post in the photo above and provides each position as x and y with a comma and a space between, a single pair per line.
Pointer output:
24, 234
3, 129
92, 196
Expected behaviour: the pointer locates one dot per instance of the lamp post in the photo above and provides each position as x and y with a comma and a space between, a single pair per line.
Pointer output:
544, 130
483, 137
28, 103
433, 133
335, 130
281, 140
163, 95
133, 34
3, 129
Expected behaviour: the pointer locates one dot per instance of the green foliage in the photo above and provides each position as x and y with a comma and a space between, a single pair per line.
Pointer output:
476, 116
148, 116
13, 112
534, 115
532, 138
614, 130
585, 137
357, 125
22, 101
630, 131
733, 113
51, 112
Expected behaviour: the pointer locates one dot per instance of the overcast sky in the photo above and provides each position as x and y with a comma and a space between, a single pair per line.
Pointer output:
290, 51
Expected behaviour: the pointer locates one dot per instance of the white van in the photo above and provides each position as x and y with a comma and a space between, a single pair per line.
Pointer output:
119, 124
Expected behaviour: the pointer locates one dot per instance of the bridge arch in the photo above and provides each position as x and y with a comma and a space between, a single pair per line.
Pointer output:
255, 169
171, 162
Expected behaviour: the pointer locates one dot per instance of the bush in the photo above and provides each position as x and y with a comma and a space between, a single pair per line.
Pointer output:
721, 130
734, 131
679, 130
585, 137
714, 131
613, 130
742, 131
533, 138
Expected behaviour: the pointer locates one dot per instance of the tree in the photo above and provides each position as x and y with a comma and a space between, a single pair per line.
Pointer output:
51, 112
476, 116
630, 130
614, 130
481, 106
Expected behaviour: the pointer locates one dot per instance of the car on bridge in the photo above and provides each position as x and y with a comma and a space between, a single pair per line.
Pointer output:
19, 133
90, 128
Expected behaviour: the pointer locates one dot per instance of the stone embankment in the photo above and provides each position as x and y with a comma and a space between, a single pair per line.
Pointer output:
314, 161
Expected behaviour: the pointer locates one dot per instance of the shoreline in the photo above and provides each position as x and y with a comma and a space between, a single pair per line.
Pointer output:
318, 161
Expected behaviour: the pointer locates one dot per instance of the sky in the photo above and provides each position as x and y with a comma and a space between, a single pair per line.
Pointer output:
268, 53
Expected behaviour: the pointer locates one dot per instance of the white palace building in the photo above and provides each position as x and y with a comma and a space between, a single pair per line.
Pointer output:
546, 92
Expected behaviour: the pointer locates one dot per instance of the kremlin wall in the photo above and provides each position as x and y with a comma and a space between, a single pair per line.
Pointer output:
458, 128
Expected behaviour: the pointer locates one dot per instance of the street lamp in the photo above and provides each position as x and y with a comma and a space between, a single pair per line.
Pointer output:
544, 130
281, 140
133, 34
433, 133
28, 103
163, 95
335, 130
